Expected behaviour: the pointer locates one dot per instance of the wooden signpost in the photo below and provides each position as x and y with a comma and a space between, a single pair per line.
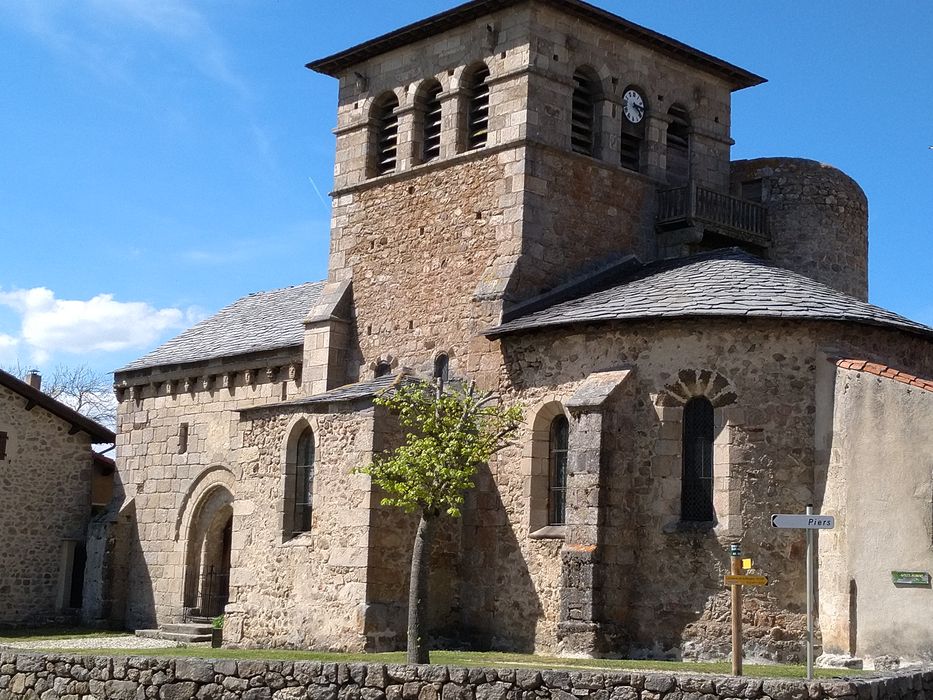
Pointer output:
737, 580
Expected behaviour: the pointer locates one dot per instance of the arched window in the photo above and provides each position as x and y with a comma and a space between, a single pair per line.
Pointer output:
678, 145
386, 136
696, 499
477, 112
442, 368
583, 113
382, 369
557, 470
430, 106
304, 482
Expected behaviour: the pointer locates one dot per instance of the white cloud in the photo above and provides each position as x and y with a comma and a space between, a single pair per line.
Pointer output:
97, 35
8, 348
101, 324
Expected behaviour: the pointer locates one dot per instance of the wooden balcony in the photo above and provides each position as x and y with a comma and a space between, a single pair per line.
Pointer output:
693, 206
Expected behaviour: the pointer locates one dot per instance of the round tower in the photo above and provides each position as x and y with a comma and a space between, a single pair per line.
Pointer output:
818, 217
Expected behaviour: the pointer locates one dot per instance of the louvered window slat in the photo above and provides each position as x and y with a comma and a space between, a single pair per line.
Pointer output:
387, 136
582, 117
631, 152
678, 145
432, 124
478, 113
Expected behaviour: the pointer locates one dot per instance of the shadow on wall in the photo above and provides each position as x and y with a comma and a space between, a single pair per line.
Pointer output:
480, 591
111, 597
499, 606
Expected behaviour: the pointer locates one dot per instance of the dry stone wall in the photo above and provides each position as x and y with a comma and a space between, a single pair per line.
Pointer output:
66, 677
45, 499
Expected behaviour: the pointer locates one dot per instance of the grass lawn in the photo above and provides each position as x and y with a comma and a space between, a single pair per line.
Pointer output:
39, 634
445, 658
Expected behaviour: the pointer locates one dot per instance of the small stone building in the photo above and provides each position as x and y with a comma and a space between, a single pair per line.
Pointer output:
50, 482
537, 195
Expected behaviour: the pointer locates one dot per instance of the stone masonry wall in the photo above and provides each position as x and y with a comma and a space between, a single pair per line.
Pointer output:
818, 217
662, 589
561, 44
66, 677
543, 225
418, 249
306, 590
45, 498
579, 213
164, 483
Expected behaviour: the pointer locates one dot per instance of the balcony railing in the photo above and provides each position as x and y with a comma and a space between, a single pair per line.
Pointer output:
692, 204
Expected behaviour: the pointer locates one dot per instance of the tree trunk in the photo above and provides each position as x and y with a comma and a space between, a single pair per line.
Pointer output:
418, 591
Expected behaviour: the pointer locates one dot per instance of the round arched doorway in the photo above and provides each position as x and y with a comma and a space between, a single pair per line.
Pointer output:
207, 561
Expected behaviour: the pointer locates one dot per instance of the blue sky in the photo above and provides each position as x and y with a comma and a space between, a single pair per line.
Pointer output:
161, 159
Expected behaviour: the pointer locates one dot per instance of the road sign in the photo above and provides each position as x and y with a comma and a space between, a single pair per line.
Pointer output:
744, 580
803, 522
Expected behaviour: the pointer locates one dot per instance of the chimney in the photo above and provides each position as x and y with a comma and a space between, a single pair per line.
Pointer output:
34, 379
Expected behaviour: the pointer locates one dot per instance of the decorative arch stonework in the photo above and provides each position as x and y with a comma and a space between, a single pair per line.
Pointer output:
535, 468
385, 359
217, 475
206, 528
727, 417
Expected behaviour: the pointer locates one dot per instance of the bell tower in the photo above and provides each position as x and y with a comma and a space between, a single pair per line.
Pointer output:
501, 149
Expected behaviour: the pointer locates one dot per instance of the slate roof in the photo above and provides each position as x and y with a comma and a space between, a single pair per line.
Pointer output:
256, 323
349, 392
471, 11
723, 283
35, 397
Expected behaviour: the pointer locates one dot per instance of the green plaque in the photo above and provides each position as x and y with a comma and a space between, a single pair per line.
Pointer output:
911, 578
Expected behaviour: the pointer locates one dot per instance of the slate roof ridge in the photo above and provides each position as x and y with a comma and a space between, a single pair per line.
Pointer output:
279, 324
720, 283
362, 389
36, 397
587, 283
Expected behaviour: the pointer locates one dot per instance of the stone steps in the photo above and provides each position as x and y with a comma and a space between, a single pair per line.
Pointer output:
189, 633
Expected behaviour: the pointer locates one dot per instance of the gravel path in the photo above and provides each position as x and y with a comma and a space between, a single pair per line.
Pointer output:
128, 641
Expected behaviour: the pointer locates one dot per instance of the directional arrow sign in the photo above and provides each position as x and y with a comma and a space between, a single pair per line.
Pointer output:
803, 522
743, 580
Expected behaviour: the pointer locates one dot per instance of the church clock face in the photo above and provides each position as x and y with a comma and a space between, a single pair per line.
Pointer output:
633, 106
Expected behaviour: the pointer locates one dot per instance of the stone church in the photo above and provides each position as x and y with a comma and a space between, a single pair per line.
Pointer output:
538, 195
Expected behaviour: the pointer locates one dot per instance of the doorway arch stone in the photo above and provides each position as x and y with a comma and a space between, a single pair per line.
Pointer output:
206, 526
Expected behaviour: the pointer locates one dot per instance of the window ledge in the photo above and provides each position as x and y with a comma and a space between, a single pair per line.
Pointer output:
689, 527
549, 532
301, 539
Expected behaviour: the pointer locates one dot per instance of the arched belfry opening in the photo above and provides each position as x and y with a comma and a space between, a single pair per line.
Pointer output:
207, 560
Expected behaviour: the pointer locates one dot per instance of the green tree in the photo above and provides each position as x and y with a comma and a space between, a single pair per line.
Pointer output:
449, 431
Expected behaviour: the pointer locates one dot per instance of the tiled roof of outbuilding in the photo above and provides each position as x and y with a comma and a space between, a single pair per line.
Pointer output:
723, 283
35, 397
886, 372
256, 323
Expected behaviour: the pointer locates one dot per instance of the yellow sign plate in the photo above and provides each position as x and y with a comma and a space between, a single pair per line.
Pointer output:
742, 580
